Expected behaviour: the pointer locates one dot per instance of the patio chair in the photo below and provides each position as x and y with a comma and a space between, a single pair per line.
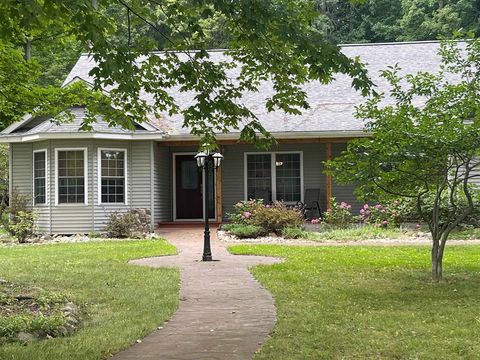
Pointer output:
311, 203
263, 194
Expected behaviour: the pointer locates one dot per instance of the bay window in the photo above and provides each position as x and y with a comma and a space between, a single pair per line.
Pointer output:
40, 177
71, 176
112, 170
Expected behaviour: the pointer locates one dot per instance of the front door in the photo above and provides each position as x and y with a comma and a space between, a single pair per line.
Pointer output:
189, 189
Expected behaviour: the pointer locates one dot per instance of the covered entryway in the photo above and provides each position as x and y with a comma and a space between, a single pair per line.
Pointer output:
188, 201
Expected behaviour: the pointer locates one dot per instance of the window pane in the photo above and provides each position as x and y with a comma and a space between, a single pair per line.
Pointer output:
288, 177
71, 182
259, 176
112, 176
39, 178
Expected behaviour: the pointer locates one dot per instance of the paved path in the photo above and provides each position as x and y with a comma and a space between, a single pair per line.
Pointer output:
224, 312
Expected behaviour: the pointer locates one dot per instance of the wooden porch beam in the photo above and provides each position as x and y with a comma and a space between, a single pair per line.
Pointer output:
218, 191
329, 178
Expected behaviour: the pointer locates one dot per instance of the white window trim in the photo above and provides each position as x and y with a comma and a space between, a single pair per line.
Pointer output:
273, 157
85, 175
99, 176
46, 177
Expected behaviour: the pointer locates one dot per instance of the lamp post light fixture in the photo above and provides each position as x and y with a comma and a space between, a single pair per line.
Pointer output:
207, 161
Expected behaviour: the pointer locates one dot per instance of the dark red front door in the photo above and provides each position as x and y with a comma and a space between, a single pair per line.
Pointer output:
188, 189
188, 184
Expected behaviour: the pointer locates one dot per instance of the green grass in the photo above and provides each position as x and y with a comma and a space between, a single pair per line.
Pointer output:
122, 302
370, 303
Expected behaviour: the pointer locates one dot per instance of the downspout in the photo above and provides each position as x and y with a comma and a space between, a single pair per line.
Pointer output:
152, 185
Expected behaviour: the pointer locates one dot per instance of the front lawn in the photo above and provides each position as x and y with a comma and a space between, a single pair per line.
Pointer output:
120, 303
370, 303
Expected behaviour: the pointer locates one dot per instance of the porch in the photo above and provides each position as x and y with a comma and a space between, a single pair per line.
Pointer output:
282, 173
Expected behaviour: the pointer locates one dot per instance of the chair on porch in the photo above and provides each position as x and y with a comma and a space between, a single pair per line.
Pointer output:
262, 194
311, 204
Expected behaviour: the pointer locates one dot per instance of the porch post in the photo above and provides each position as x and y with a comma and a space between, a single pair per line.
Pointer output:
329, 178
218, 190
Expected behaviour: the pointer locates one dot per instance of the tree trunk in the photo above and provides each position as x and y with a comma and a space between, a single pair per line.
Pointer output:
437, 260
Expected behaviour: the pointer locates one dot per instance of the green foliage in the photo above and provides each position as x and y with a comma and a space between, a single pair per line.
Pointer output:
19, 220
270, 218
126, 225
360, 232
274, 218
31, 310
339, 215
22, 225
244, 231
425, 150
294, 233
243, 211
290, 52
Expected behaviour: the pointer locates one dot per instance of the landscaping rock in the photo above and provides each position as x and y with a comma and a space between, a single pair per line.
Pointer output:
25, 337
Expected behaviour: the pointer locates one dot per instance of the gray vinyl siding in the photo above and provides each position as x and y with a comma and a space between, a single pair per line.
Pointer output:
162, 180
344, 192
233, 176
80, 218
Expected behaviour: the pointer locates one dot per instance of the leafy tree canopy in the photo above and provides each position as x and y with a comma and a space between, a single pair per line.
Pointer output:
425, 142
270, 39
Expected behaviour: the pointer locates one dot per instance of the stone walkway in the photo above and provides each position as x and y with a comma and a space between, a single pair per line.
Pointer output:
224, 312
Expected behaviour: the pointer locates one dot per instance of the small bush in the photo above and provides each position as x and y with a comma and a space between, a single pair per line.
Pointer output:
22, 225
134, 224
244, 231
274, 218
339, 215
19, 221
244, 210
294, 233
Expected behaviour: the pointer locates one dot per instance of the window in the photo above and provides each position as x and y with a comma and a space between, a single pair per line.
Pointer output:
274, 176
40, 177
71, 176
259, 176
113, 175
288, 177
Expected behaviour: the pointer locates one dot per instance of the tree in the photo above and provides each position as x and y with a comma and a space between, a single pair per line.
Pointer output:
267, 40
424, 144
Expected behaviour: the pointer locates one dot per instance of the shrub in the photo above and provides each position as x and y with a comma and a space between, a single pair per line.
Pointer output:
134, 224
274, 218
22, 225
243, 211
19, 221
243, 231
391, 213
339, 215
294, 233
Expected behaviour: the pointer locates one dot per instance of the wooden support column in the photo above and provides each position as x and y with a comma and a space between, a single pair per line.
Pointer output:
329, 178
218, 191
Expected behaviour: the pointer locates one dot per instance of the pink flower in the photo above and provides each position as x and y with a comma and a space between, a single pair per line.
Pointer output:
344, 205
417, 226
362, 211
366, 206
378, 206
268, 206
384, 222
247, 215
315, 221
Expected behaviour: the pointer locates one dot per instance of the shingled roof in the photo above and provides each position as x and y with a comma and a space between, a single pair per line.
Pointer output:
332, 106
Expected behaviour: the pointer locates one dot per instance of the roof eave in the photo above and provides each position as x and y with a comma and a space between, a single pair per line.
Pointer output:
86, 135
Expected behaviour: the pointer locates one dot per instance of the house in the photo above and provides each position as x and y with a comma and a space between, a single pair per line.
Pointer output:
75, 179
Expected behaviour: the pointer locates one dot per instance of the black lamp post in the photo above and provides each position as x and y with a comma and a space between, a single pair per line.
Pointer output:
207, 161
